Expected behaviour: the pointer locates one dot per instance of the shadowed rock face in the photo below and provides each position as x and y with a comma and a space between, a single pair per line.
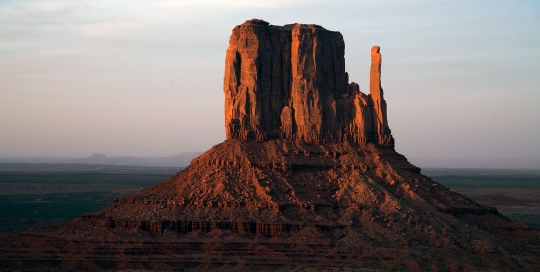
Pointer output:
289, 82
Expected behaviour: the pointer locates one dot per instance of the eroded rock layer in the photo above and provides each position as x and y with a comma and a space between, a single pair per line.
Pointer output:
289, 82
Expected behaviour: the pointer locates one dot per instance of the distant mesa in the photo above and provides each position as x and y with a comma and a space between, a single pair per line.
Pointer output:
181, 160
176, 161
98, 156
308, 177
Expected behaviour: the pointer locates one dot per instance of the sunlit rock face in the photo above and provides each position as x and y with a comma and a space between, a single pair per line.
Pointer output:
289, 82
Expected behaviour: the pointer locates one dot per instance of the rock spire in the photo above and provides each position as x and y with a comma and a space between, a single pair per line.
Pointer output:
289, 82
380, 122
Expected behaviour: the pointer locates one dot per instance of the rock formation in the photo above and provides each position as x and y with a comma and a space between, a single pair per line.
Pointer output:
380, 123
308, 177
275, 88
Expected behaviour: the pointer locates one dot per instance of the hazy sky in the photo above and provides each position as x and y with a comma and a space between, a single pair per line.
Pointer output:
144, 78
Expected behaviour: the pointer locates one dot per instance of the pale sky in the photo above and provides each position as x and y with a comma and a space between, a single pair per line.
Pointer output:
144, 78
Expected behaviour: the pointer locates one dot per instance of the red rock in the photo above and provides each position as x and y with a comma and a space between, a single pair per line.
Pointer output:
380, 122
289, 82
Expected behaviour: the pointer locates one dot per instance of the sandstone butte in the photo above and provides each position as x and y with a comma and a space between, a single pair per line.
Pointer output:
290, 83
308, 178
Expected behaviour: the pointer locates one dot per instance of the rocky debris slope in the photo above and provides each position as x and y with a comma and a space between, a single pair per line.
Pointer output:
282, 185
308, 177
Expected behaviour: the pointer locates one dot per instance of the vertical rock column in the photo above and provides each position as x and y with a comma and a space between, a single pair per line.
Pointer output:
380, 123
305, 92
318, 78
256, 80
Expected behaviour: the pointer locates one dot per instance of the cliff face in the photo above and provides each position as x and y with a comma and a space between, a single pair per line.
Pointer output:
289, 82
